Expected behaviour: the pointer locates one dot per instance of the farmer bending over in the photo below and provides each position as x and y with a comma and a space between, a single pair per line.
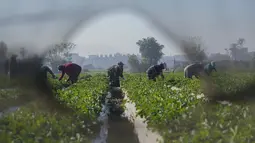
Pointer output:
209, 68
114, 72
156, 70
44, 70
42, 79
72, 70
193, 69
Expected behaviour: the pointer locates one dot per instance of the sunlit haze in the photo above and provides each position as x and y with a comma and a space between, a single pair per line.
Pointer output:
114, 33
37, 25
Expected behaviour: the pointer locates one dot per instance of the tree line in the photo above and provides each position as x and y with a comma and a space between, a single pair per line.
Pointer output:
151, 53
149, 48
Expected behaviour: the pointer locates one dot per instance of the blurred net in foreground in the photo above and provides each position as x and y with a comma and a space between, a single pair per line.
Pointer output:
27, 25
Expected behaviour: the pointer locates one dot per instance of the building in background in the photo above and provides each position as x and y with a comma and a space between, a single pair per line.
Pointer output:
218, 57
77, 59
240, 54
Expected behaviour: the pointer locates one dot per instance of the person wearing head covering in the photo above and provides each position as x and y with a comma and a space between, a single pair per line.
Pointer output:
114, 72
72, 70
154, 71
193, 69
210, 67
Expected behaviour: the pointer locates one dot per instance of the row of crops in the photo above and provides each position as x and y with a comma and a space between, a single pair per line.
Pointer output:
179, 111
36, 122
175, 107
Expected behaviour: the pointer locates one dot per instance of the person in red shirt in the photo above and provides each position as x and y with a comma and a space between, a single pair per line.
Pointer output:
72, 70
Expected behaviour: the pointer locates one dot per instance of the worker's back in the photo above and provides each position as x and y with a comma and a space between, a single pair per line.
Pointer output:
71, 67
195, 66
116, 70
193, 69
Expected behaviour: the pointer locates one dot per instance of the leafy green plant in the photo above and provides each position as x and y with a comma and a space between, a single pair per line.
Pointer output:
175, 108
34, 123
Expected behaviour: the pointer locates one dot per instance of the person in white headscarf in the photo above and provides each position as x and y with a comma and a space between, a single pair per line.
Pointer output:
193, 70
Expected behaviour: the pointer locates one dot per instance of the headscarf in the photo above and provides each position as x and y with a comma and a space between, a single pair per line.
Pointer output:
213, 64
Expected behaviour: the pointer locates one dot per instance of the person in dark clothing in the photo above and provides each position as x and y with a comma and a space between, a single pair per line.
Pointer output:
154, 71
193, 69
13, 67
114, 72
72, 70
209, 68
43, 72
42, 79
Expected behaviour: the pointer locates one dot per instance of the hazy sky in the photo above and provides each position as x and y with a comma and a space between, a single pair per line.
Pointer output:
37, 24
117, 33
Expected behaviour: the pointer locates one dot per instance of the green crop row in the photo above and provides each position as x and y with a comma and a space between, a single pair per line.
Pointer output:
175, 108
35, 122
159, 102
85, 95
36, 125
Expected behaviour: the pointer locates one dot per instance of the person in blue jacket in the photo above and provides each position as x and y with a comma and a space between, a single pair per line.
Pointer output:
197, 69
209, 68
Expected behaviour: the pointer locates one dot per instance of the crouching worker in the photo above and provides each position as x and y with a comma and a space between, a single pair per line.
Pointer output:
72, 70
154, 71
114, 74
209, 68
193, 69
42, 79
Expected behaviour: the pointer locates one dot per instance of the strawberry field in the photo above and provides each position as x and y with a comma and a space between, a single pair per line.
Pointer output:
177, 108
